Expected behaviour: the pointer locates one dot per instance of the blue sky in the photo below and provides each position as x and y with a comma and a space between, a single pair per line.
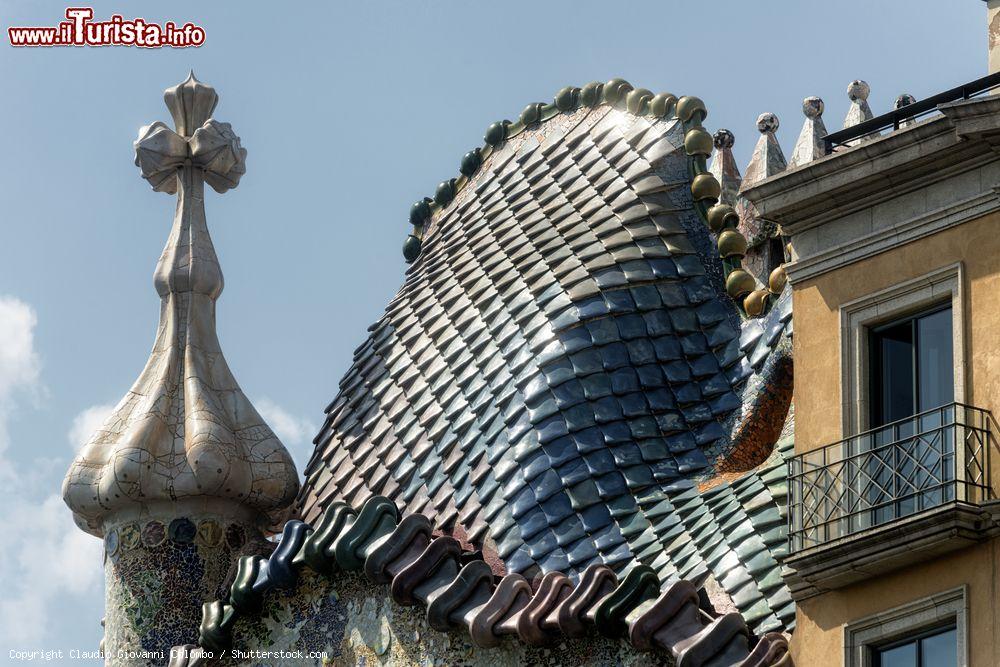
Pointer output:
349, 112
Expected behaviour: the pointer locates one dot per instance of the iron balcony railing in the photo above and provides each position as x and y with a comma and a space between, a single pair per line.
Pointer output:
893, 119
887, 473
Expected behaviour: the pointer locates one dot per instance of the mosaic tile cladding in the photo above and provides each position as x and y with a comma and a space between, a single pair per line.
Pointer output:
562, 380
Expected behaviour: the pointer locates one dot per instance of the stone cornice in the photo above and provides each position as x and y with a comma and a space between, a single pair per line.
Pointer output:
965, 137
974, 118
910, 230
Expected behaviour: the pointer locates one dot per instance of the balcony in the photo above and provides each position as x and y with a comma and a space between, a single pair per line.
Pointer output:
890, 496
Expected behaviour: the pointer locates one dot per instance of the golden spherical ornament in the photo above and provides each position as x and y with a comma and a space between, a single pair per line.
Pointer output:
776, 281
704, 186
688, 107
755, 302
739, 282
637, 101
732, 244
662, 104
722, 215
698, 142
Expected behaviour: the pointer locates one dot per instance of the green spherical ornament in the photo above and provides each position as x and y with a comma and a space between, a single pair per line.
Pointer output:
566, 99
590, 95
445, 192
532, 114
411, 248
615, 90
471, 162
420, 212
496, 133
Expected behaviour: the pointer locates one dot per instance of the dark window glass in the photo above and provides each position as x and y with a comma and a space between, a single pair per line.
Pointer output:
913, 459
940, 650
776, 254
936, 648
901, 656
911, 366
893, 376
935, 377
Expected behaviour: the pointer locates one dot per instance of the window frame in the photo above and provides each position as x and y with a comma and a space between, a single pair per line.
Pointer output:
929, 614
860, 316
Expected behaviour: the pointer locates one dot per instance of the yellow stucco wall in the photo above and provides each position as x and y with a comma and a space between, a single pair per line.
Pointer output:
816, 308
818, 640
819, 637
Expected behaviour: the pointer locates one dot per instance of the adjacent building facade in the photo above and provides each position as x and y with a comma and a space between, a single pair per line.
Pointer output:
894, 239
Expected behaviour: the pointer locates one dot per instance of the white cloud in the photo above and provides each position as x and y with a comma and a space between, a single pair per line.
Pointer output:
19, 365
85, 423
47, 557
296, 433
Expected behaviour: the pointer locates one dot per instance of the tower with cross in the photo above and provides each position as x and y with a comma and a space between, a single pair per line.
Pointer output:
184, 475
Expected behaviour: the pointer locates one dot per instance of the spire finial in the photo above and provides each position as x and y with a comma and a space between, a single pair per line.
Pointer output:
724, 166
191, 103
767, 159
905, 100
198, 141
809, 145
858, 92
185, 433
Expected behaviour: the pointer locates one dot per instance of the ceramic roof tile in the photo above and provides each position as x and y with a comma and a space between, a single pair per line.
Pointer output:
562, 319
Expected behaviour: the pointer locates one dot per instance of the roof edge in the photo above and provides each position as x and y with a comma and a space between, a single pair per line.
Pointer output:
751, 299
405, 554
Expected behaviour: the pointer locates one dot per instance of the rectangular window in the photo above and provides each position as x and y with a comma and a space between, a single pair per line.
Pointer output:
895, 364
934, 648
911, 366
911, 465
